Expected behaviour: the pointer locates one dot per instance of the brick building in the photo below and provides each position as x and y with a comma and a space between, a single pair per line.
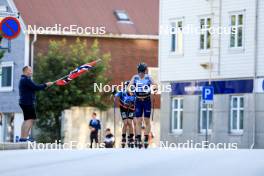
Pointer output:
131, 28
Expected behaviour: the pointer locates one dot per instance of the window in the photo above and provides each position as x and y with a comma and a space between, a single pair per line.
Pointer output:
205, 118
237, 30
122, 16
154, 73
237, 114
205, 34
177, 37
3, 8
8, 127
1, 121
177, 115
6, 76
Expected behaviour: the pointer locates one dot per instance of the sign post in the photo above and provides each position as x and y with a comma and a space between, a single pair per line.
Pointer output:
208, 99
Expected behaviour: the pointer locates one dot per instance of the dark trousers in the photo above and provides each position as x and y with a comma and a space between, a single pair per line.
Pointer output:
109, 144
93, 137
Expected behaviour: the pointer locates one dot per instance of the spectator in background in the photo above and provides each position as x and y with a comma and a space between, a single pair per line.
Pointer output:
95, 126
109, 139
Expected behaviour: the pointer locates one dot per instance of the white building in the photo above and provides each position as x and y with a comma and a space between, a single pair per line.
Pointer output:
192, 52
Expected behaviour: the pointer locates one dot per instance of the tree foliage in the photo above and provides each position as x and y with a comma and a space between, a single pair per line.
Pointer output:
58, 62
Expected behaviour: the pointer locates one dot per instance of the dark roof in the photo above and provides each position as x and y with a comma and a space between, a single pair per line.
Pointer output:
144, 14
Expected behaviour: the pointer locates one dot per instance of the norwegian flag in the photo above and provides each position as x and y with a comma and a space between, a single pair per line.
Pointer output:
75, 73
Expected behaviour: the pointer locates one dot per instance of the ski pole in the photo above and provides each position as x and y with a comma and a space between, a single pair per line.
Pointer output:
153, 108
114, 117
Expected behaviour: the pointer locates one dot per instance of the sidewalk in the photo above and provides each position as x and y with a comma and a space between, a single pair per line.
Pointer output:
13, 146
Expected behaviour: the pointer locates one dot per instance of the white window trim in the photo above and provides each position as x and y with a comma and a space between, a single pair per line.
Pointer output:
201, 109
7, 64
236, 131
3, 8
205, 50
179, 109
237, 49
176, 52
152, 70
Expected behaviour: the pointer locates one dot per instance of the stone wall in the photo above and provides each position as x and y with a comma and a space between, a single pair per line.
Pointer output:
75, 125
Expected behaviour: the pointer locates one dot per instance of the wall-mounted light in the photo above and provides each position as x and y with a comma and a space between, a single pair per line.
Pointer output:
207, 65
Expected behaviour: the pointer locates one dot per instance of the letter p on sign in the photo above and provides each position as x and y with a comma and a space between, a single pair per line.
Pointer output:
208, 94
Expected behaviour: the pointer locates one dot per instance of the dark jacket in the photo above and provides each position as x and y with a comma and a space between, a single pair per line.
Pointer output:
95, 123
27, 90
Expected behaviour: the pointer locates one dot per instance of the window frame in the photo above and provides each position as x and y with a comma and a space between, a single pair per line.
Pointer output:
177, 51
152, 70
179, 128
204, 31
122, 20
201, 110
154, 73
7, 64
3, 8
236, 47
237, 109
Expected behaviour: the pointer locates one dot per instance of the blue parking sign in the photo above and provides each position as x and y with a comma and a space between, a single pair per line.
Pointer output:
208, 94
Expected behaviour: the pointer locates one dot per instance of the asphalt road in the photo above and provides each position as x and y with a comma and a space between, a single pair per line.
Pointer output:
132, 162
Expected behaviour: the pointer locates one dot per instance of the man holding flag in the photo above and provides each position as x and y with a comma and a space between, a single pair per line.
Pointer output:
27, 90
27, 100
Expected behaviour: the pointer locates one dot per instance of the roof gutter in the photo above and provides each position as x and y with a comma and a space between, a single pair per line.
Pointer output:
32, 51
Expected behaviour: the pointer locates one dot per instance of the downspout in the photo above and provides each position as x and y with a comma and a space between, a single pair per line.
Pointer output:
32, 60
211, 51
219, 38
255, 73
32, 51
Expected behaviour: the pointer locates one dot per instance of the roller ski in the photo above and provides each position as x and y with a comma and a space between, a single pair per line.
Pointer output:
123, 141
130, 143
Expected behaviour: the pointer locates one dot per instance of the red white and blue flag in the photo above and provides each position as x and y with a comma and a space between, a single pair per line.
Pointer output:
76, 73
